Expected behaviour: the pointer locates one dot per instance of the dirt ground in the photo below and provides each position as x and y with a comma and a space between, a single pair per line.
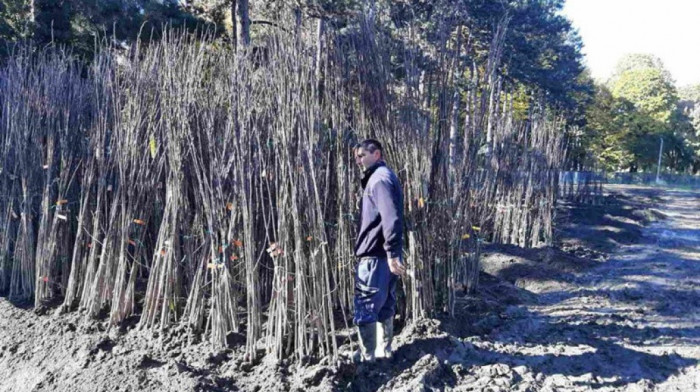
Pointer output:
615, 306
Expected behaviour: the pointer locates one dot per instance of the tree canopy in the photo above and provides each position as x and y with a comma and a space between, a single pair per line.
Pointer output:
542, 52
633, 111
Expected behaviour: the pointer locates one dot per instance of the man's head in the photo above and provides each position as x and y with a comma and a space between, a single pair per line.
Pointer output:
367, 153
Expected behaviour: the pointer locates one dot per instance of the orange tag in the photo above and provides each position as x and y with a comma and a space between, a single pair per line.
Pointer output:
421, 203
238, 243
132, 242
139, 222
61, 202
309, 238
163, 252
229, 206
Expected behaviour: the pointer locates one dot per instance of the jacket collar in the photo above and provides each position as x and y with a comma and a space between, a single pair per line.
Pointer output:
368, 173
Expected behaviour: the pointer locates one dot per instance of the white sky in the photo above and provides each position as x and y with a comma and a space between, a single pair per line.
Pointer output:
669, 29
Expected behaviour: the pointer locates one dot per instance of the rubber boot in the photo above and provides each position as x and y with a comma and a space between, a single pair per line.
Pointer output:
368, 343
386, 329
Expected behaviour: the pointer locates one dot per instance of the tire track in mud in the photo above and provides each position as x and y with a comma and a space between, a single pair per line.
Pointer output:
631, 323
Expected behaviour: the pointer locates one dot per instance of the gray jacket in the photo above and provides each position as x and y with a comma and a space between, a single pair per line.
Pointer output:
381, 214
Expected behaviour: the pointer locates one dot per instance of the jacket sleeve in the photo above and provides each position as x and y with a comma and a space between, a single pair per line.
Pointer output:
390, 206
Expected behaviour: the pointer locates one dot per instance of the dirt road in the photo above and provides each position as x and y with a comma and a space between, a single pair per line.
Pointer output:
632, 323
544, 320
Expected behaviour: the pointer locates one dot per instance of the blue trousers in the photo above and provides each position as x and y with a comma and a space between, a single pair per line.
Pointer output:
375, 291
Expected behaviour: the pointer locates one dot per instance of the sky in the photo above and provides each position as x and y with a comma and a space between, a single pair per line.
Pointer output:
669, 29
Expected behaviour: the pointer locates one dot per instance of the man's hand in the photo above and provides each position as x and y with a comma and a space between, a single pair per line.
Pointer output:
396, 267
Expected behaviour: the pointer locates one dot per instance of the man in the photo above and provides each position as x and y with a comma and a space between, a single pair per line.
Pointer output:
378, 248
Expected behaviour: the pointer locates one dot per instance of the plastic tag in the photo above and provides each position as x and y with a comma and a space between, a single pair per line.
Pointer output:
152, 146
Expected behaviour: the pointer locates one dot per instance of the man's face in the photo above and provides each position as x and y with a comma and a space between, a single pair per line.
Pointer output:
365, 159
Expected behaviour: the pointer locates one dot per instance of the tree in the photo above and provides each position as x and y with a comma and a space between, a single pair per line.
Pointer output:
689, 106
649, 90
544, 52
653, 98
634, 61
242, 23
14, 20
53, 21
603, 139
78, 23
630, 115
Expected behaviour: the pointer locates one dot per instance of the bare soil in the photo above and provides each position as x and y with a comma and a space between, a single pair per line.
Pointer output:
615, 306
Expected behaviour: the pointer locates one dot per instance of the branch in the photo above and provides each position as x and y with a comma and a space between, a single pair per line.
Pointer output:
267, 22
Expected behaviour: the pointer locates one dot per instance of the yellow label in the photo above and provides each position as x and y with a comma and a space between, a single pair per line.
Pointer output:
152, 146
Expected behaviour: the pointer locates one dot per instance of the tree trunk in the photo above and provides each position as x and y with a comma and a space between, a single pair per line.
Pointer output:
454, 116
297, 24
233, 21
320, 49
32, 13
242, 24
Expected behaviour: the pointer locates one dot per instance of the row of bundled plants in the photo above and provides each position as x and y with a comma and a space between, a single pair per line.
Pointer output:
189, 183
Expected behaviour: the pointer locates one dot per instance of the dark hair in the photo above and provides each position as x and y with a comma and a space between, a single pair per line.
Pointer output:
371, 145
